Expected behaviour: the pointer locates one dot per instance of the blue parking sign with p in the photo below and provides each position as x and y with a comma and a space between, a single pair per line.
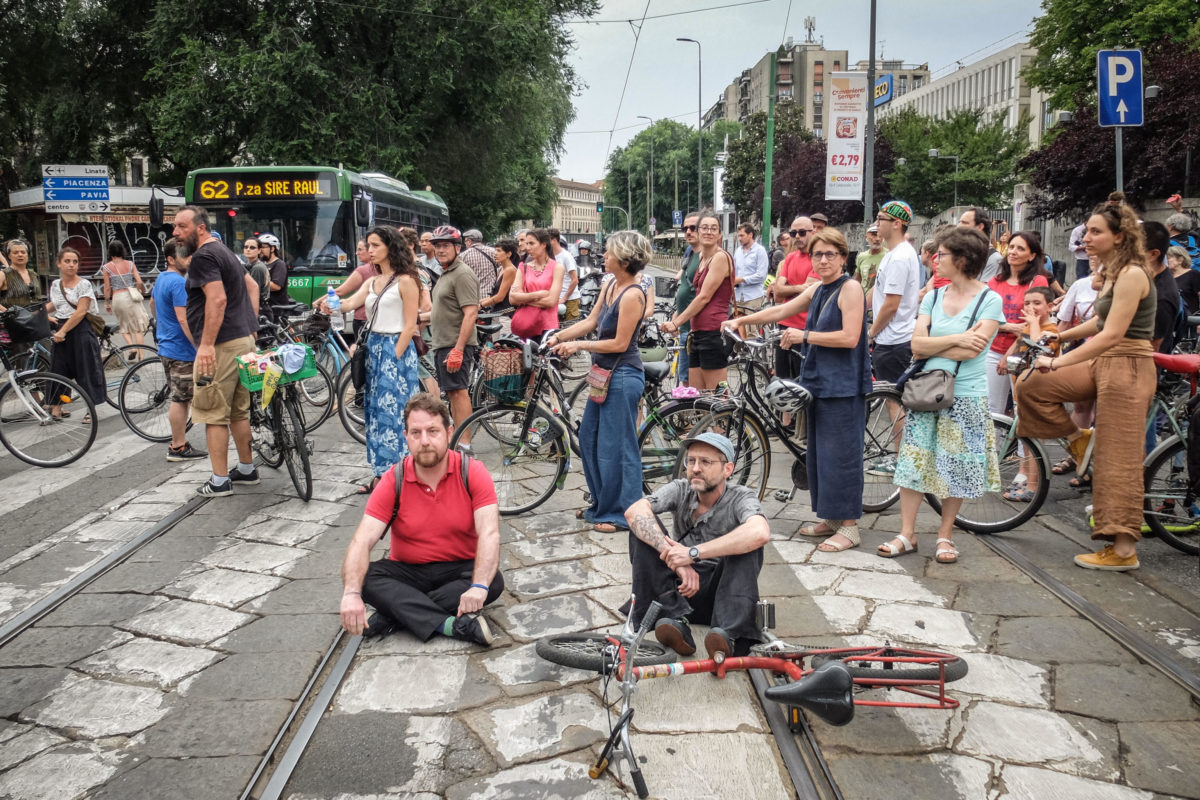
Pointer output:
676, 218
1119, 87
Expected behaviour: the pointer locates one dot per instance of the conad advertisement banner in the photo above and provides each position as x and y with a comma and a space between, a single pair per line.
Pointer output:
846, 116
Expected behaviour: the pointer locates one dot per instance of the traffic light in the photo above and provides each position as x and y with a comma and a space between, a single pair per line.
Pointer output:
599, 208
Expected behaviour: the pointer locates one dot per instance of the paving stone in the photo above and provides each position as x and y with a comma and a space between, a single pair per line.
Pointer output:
555, 548
1010, 600
222, 587
90, 708
57, 565
545, 726
790, 551
253, 676
1029, 783
842, 614
776, 580
550, 615
554, 578
173, 493
938, 627
1007, 680
521, 671
145, 512
201, 728
144, 577
301, 511
1033, 736
668, 705
860, 558
896, 588
938, 775
1129, 693
1058, 640
539, 525
255, 557
56, 647
979, 568
185, 622
97, 609
888, 731
801, 616
282, 633
63, 772
181, 779
387, 755
24, 687
333, 491
314, 596
614, 568
612, 597
1161, 756
816, 578
111, 531
284, 532
148, 662
545, 780
405, 644
612, 542
29, 741
322, 563
189, 547
713, 765
430, 684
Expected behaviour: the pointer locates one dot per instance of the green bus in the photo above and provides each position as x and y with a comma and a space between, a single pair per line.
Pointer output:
318, 213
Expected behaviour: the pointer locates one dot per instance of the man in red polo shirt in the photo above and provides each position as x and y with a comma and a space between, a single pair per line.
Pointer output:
795, 274
443, 563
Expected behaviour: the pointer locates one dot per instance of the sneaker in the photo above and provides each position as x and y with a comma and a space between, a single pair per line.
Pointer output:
249, 478
884, 468
675, 634
473, 628
1107, 560
1081, 451
210, 489
379, 625
718, 641
185, 453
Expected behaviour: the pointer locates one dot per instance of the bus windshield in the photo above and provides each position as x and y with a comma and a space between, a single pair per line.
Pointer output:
314, 237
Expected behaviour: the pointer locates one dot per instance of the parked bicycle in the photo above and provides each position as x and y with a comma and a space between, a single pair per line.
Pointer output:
277, 429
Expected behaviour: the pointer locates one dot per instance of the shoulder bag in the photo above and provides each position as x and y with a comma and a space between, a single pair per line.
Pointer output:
95, 320
132, 290
598, 377
932, 390
358, 361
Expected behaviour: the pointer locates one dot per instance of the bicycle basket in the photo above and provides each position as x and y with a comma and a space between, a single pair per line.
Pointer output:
315, 325
503, 374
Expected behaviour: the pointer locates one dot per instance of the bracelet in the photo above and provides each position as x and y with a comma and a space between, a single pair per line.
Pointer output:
479, 586
1052, 364
351, 592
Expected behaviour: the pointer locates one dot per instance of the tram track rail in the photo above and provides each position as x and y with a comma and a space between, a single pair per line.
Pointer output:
799, 750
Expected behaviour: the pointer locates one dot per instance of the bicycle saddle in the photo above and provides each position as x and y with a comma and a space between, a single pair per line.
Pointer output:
488, 330
656, 370
1183, 363
827, 691
109, 330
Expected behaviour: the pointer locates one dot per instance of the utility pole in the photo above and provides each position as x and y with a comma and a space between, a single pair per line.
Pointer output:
869, 161
770, 152
629, 186
649, 199
676, 184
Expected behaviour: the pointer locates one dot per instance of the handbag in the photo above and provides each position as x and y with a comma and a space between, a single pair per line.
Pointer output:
136, 295
358, 361
598, 379
25, 324
95, 320
932, 390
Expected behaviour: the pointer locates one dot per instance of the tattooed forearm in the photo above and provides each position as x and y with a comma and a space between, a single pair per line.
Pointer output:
645, 527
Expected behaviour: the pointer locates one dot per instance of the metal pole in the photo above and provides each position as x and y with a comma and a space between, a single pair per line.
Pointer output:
1120, 161
869, 161
676, 187
956, 183
699, 120
766, 214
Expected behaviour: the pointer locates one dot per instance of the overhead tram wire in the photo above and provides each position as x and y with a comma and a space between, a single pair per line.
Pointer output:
628, 70
482, 21
953, 64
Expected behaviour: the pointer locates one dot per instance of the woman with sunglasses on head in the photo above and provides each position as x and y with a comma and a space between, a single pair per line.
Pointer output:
707, 357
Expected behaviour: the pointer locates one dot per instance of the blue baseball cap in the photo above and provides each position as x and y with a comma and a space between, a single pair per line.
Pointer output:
712, 440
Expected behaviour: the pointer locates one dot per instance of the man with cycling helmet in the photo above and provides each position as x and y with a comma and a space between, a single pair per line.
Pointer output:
452, 321
706, 569
268, 254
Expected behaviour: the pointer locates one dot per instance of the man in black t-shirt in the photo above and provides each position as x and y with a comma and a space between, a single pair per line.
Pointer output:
221, 303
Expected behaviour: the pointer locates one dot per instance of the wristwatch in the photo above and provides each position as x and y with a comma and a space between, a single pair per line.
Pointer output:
694, 554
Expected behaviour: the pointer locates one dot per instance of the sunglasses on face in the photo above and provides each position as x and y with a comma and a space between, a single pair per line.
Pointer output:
800, 231
690, 228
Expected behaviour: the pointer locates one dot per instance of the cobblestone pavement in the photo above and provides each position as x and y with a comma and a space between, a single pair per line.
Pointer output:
170, 676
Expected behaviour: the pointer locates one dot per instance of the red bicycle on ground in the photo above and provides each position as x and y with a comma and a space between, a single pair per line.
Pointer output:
828, 687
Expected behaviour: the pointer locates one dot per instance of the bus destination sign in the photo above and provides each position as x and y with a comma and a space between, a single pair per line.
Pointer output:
266, 186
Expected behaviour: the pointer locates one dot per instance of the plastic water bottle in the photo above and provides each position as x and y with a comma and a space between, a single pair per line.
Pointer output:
333, 301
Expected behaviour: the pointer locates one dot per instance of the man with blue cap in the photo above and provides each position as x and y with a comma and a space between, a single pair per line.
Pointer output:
706, 569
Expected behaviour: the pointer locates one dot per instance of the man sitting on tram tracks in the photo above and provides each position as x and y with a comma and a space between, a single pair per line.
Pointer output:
443, 563
706, 569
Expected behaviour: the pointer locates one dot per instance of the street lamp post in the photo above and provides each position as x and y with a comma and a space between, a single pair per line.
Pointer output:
933, 153
687, 195
650, 186
699, 120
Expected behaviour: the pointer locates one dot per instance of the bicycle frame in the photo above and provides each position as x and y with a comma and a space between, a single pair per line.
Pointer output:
752, 400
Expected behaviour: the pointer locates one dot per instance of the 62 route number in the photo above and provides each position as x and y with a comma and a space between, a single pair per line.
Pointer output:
214, 190
843, 160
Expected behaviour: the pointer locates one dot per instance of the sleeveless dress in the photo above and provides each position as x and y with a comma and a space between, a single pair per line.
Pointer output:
131, 314
391, 381
530, 322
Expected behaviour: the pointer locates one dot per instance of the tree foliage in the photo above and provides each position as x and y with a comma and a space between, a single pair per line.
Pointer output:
1069, 33
469, 96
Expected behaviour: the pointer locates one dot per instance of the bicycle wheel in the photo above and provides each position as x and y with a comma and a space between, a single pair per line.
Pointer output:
264, 437
31, 433
992, 513
660, 437
751, 444
578, 365
863, 662
1170, 509
350, 407
586, 651
885, 425
145, 400
289, 432
117, 363
315, 397
527, 462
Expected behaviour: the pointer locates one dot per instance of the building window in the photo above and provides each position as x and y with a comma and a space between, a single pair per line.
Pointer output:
137, 175
902, 85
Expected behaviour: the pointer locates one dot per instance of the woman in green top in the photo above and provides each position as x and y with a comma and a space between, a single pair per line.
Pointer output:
18, 286
1116, 367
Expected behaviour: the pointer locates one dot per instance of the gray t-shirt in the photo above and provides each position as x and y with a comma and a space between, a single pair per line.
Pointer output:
736, 505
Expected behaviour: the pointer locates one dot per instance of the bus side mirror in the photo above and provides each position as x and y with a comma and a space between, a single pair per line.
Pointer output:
362, 212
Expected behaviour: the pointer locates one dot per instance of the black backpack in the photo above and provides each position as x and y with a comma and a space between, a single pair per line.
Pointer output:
398, 477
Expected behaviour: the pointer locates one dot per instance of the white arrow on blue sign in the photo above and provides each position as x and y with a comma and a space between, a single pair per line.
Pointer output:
1119, 88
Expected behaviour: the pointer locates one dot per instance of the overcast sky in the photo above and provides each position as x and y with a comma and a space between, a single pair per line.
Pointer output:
662, 82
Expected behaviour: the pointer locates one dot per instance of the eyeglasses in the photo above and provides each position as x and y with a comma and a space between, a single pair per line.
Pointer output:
943, 254
700, 461
249, 247
709, 228
825, 256
689, 228
800, 231
883, 218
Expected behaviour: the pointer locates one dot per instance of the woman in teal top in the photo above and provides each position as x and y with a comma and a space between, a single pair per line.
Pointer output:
951, 453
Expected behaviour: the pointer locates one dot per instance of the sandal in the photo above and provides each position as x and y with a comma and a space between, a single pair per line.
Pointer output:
87, 418
947, 553
1064, 466
1083, 481
891, 550
61, 415
604, 527
1018, 493
811, 530
847, 532
369, 486
580, 514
